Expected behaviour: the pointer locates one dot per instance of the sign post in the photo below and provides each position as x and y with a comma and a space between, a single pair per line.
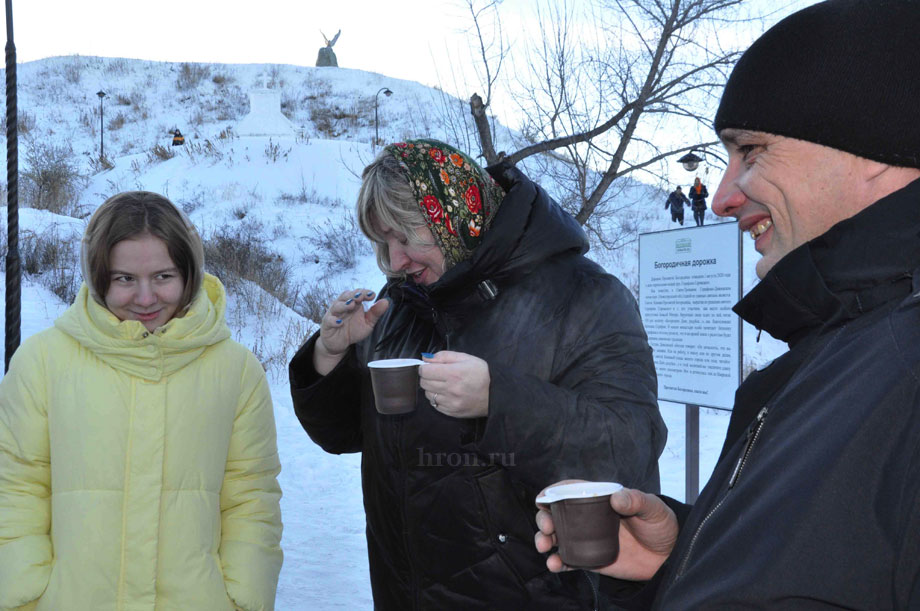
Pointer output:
692, 459
689, 279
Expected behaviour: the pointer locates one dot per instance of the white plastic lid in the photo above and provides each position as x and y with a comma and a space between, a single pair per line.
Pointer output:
390, 363
578, 490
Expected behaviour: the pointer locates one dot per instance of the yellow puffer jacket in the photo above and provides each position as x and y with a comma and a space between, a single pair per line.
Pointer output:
138, 470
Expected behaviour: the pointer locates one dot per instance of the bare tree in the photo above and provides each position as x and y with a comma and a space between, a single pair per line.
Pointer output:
491, 52
597, 86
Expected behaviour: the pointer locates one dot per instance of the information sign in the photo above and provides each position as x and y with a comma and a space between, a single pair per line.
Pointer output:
689, 279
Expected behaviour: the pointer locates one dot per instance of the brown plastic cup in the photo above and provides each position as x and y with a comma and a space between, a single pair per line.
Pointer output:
395, 383
587, 527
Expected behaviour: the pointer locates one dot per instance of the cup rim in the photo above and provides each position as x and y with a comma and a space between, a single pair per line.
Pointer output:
578, 490
394, 363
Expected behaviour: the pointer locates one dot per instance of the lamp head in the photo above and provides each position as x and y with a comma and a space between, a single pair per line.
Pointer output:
690, 161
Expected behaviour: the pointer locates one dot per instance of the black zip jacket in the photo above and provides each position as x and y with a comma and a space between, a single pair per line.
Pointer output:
815, 501
676, 201
450, 502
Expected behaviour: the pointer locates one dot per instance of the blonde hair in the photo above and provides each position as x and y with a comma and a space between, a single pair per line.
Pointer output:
132, 214
386, 199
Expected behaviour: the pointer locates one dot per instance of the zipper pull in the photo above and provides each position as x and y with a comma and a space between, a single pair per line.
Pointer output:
749, 441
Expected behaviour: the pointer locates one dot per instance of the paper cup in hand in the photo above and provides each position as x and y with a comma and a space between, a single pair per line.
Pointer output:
587, 527
395, 383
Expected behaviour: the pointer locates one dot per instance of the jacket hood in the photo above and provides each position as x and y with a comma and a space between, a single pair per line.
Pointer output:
855, 266
127, 346
534, 229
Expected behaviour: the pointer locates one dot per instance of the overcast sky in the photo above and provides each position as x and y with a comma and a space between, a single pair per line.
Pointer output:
401, 38
397, 38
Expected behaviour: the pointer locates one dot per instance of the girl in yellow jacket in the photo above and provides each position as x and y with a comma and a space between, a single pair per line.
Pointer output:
138, 460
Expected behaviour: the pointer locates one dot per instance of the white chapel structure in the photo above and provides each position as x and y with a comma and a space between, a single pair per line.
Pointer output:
265, 118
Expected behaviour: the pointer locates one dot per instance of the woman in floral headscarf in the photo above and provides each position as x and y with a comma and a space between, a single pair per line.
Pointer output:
537, 369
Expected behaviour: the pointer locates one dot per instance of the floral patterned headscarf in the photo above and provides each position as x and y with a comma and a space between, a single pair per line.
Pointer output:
457, 197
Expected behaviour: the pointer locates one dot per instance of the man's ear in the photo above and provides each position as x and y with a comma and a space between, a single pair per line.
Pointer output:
881, 179
872, 170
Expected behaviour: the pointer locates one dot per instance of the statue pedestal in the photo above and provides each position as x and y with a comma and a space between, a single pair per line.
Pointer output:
326, 57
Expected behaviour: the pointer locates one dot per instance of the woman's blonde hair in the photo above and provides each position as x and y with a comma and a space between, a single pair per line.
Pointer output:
132, 214
386, 199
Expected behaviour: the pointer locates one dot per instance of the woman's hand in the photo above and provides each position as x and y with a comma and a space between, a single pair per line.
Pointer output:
345, 323
648, 532
456, 383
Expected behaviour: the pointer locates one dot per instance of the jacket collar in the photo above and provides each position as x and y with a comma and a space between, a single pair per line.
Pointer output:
127, 346
855, 266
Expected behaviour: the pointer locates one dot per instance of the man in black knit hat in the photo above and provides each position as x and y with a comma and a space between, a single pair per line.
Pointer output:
815, 500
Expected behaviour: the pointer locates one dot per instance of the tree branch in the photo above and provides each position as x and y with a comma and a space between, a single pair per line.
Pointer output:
478, 110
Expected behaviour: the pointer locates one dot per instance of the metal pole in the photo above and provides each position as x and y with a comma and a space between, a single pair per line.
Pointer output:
693, 453
386, 91
101, 131
739, 321
13, 270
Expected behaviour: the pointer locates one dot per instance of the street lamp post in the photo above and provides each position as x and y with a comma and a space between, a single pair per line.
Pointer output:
101, 95
385, 91
690, 162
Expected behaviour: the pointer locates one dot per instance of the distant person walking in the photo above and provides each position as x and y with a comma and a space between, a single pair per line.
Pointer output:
178, 138
676, 201
698, 195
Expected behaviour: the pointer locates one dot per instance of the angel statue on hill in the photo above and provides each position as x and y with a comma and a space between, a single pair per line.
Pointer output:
326, 56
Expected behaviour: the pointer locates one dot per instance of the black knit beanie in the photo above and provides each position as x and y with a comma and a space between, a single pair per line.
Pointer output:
842, 73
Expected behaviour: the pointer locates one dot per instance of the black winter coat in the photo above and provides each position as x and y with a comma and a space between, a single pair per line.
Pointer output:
815, 501
676, 202
450, 502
